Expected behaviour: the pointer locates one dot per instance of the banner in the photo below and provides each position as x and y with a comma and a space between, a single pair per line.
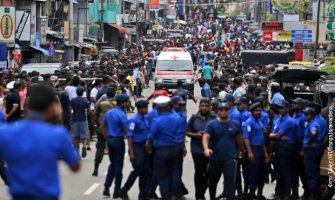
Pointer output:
153, 4
22, 26
7, 27
267, 36
284, 36
285, 5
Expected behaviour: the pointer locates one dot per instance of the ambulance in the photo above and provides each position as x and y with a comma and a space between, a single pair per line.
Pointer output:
174, 64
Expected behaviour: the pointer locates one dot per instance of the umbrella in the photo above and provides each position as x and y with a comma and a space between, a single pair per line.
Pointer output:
10, 85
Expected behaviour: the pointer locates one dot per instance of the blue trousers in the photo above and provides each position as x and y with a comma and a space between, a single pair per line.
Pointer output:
312, 158
116, 148
215, 170
285, 155
140, 169
257, 169
165, 170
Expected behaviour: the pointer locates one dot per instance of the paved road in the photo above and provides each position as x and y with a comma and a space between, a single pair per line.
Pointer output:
83, 186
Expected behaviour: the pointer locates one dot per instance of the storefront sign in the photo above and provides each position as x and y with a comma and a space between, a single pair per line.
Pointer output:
7, 27
153, 4
22, 26
272, 26
284, 36
285, 5
267, 36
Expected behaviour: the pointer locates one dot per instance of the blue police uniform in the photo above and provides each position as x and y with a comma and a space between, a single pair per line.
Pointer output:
253, 130
165, 133
138, 130
277, 98
243, 162
223, 161
32, 159
312, 158
116, 122
285, 153
181, 134
299, 170
234, 114
265, 119
323, 127
2, 117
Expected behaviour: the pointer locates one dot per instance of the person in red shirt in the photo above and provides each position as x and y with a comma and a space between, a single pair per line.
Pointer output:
158, 92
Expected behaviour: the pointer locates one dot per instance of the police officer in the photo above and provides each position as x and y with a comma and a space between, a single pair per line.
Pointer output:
312, 154
284, 136
254, 140
138, 130
321, 121
234, 114
195, 130
33, 158
222, 135
165, 137
100, 111
277, 97
114, 128
297, 108
242, 104
178, 105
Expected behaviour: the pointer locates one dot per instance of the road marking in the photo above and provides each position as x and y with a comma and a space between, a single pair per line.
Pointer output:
92, 188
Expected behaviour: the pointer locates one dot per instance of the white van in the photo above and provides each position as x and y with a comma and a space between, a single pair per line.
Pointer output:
42, 68
174, 64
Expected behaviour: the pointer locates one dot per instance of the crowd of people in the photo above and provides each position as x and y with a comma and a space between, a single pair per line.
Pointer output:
239, 131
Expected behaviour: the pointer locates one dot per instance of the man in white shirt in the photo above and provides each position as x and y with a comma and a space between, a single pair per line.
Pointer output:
71, 90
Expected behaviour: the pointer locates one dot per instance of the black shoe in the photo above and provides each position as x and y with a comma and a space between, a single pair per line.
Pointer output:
155, 196
260, 197
123, 195
115, 195
106, 193
83, 152
95, 173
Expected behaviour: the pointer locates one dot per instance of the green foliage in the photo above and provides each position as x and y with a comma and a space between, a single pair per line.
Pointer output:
329, 68
235, 13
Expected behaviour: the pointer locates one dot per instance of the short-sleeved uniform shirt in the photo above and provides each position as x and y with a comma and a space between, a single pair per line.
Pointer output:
31, 150
253, 129
277, 98
2, 117
196, 124
164, 130
286, 126
12, 99
312, 126
235, 114
300, 119
138, 128
223, 139
79, 106
153, 114
116, 121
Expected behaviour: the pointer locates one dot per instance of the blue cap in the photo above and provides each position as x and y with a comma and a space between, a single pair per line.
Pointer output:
177, 100
241, 100
299, 101
142, 104
223, 105
259, 100
229, 97
309, 111
284, 104
122, 98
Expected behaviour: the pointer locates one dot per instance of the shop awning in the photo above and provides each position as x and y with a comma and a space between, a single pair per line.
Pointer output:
75, 1
41, 50
121, 29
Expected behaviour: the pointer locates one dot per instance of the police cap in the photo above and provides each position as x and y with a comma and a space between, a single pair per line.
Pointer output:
162, 101
142, 104
122, 98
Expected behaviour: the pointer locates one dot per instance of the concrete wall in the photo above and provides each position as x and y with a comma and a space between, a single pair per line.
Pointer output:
311, 25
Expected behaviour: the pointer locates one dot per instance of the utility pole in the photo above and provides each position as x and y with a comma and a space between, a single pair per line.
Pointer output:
317, 31
101, 34
137, 15
71, 30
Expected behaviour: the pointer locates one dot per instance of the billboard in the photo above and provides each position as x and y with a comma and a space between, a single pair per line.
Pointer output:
22, 32
7, 27
153, 4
